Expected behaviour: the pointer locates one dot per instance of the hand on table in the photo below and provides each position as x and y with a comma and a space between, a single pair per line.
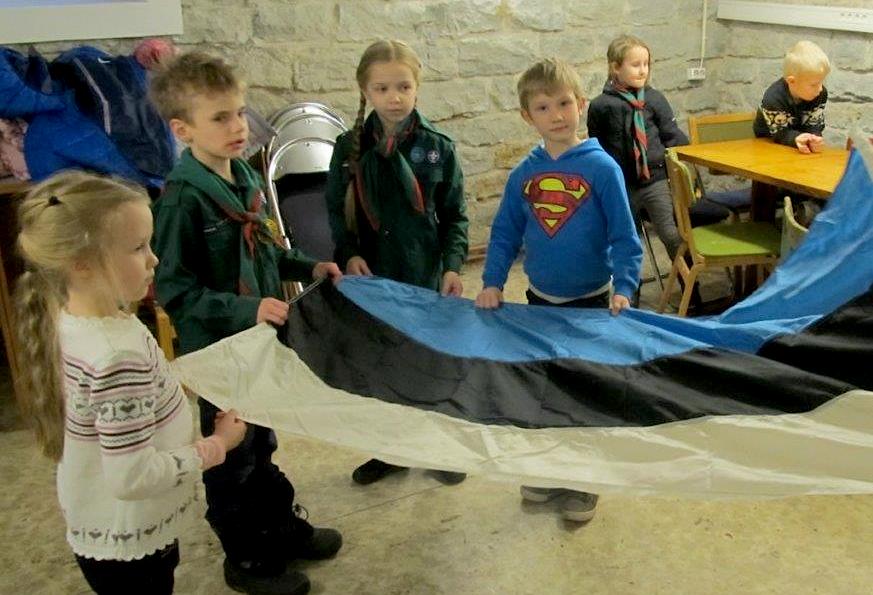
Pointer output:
809, 143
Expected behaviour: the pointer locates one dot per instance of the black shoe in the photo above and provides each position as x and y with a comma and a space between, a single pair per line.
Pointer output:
250, 577
449, 478
312, 543
374, 470
324, 543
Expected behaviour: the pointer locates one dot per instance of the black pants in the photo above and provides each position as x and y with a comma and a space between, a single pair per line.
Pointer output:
601, 300
151, 575
249, 500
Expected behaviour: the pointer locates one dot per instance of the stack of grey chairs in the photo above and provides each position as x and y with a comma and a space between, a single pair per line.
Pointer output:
296, 163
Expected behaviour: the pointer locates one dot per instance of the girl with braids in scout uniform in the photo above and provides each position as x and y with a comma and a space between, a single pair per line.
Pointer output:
395, 193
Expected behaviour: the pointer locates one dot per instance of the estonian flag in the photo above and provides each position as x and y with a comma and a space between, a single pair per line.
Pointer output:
771, 398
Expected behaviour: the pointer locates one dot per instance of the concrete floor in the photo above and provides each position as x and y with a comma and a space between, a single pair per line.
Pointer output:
410, 534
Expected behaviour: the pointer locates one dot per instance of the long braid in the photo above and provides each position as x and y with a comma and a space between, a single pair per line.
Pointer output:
64, 220
356, 137
358, 129
39, 359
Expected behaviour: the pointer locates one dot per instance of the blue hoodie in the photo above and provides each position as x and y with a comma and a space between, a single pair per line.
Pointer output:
573, 217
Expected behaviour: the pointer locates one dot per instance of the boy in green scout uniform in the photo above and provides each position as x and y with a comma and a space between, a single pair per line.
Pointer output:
220, 273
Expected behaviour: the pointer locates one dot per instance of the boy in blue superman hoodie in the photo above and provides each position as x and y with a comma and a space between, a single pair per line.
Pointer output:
567, 204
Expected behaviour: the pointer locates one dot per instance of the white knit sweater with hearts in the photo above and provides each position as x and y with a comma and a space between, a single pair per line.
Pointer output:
127, 479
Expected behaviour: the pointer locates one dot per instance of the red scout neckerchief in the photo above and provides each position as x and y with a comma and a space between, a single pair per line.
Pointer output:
366, 170
257, 227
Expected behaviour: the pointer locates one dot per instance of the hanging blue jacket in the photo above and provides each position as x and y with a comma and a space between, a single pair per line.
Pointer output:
87, 110
112, 91
25, 86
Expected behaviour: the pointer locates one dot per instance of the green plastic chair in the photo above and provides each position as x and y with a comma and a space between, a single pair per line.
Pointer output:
720, 245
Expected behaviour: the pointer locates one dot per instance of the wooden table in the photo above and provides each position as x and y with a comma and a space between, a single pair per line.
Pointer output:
10, 265
771, 167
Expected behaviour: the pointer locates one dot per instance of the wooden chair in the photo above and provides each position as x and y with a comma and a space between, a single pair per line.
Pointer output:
713, 128
165, 333
850, 143
792, 231
149, 311
721, 245
649, 251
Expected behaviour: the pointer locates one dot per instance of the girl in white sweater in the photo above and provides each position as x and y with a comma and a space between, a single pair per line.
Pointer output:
97, 388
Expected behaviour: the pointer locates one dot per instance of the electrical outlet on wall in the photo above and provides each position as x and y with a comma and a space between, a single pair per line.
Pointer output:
696, 73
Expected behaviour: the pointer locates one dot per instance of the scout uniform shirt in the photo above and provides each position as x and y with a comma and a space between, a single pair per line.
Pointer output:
406, 245
206, 282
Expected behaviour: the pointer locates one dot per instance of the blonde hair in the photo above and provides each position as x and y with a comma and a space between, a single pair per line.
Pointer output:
62, 220
805, 57
385, 50
196, 73
548, 76
618, 49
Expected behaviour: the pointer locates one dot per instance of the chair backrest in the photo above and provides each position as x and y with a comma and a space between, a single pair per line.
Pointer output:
305, 107
684, 196
301, 155
308, 126
713, 128
792, 231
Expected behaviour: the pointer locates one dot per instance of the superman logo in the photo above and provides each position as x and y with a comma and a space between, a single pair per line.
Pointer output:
554, 197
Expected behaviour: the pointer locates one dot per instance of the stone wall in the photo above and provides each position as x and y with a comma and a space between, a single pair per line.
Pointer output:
296, 50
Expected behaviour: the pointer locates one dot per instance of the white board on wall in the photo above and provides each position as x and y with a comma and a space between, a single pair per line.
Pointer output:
29, 21
840, 18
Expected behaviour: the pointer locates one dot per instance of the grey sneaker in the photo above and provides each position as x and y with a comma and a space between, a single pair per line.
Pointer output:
578, 506
541, 494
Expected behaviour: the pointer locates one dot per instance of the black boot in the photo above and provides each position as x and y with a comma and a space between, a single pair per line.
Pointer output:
449, 478
311, 543
261, 579
374, 470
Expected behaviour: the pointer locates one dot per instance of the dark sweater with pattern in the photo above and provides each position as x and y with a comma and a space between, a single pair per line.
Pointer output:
784, 117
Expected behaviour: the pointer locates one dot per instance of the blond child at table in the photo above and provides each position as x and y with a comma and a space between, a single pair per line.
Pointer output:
792, 111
